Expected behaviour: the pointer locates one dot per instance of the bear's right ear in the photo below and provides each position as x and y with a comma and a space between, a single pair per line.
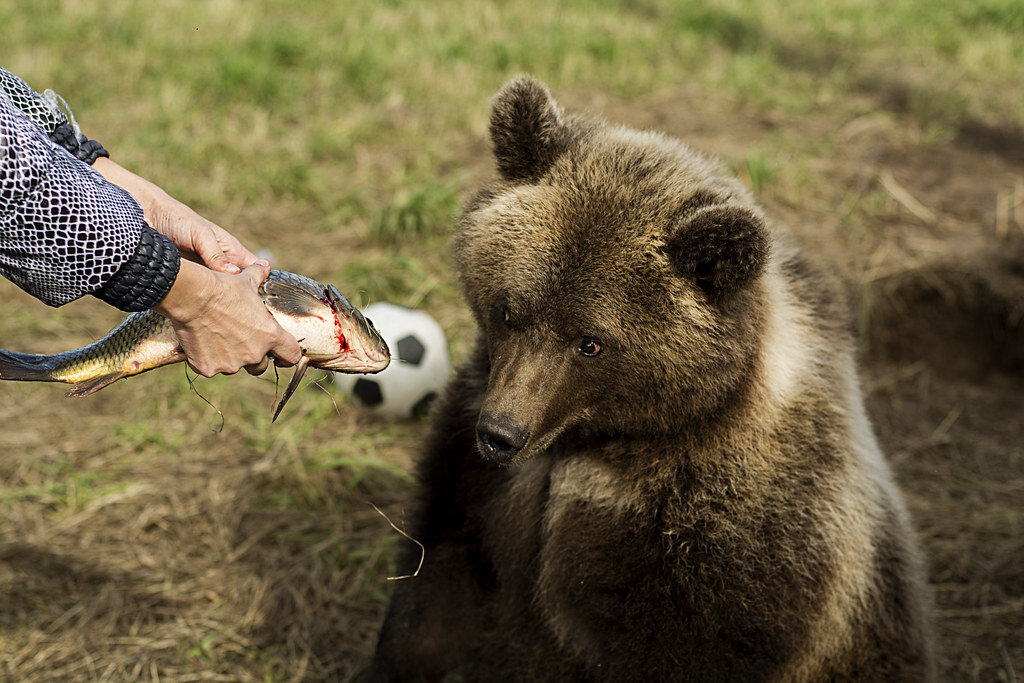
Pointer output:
527, 130
721, 248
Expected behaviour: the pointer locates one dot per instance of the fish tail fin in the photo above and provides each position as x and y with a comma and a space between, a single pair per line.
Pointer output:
25, 367
91, 386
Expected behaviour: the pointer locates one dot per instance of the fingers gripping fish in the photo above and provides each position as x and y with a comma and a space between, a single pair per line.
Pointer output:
333, 334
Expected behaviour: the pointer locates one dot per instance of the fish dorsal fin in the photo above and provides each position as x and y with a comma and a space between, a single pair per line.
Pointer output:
293, 294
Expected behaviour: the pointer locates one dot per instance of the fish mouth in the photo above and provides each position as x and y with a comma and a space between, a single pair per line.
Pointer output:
350, 364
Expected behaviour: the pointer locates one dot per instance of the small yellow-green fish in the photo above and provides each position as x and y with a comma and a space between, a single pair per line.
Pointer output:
333, 334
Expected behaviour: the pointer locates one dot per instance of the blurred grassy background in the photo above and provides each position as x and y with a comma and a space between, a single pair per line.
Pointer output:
356, 109
137, 543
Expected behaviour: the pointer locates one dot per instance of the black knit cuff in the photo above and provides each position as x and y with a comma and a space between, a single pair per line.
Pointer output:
82, 147
145, 278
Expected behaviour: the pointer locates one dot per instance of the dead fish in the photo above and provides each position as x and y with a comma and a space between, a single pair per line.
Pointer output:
334, 335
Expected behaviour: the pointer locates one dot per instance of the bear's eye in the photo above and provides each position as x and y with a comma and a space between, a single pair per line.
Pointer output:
506, 315
589, 347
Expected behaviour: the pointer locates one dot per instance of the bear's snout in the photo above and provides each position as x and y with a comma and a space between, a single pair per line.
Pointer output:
499, 438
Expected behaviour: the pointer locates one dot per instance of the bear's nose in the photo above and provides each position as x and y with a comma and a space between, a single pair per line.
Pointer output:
499, 438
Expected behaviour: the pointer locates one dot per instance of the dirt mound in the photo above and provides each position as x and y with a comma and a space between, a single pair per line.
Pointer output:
962, 316
944, 371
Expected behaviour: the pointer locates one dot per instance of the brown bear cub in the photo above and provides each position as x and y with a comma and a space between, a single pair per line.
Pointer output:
656, 465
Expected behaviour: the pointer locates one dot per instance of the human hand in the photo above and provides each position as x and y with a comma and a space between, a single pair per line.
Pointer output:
197, 238
223, 324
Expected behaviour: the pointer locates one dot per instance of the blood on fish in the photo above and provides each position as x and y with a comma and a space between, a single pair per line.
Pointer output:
342, 342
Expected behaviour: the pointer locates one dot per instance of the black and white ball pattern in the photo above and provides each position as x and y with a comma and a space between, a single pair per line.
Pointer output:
419, 364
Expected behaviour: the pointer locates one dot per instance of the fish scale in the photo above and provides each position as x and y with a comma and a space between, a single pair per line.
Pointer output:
124, 348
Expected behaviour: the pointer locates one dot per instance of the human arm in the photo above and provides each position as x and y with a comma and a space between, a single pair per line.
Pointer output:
209, 310
66, 232
196, 237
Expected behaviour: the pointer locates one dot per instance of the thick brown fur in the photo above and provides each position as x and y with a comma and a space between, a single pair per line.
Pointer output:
700, 499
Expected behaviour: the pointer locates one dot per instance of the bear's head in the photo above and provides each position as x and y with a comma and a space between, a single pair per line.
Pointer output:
615, 275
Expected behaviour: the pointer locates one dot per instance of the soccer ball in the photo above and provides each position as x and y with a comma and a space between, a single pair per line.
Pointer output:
419, 364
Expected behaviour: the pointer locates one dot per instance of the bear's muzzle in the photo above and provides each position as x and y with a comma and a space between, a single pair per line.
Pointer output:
499, 439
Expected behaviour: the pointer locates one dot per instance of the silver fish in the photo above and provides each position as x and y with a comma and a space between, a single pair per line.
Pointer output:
334, 335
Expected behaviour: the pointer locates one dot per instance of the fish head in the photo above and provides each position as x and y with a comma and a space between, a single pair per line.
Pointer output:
361, 346
334, 334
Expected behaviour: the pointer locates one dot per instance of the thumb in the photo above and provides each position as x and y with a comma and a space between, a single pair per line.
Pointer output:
256, 272
209, 249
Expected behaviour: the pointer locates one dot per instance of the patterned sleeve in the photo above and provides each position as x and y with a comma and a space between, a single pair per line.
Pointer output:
44, 111
65, 231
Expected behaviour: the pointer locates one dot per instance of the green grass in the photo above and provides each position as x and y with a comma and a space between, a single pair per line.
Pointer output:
417, 213
63, 486
757, 171
314, 102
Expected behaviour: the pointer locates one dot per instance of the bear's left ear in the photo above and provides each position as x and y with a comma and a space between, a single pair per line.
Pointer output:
721, 248
527, 130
